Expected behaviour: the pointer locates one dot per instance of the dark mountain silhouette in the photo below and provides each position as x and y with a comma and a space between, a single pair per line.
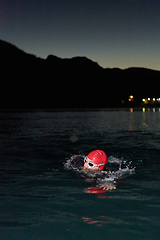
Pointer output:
30, 82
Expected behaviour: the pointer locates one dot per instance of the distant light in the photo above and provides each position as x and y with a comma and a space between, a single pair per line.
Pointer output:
130, 99
149, 99
143, 100
154, 99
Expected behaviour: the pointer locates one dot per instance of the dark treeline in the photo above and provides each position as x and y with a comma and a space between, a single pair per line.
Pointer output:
30, 82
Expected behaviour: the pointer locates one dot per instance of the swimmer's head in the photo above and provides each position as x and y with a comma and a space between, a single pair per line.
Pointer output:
96, 159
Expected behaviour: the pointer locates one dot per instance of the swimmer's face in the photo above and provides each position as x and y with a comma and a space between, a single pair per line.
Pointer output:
89, 165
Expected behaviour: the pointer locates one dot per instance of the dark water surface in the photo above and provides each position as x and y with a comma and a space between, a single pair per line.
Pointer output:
40, 199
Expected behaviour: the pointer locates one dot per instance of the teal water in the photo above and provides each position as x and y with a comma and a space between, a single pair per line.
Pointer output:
40, 199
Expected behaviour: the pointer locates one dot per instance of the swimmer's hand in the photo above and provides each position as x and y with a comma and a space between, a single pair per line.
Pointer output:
108, 187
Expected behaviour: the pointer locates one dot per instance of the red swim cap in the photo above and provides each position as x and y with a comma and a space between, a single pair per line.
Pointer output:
98, 157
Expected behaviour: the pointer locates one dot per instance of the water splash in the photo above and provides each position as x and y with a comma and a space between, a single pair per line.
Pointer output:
69, 163
116, 169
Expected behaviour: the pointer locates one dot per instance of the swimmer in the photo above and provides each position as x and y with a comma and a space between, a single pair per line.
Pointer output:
93, 166
95, 162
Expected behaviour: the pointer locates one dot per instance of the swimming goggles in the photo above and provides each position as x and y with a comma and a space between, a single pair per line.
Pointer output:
92, 164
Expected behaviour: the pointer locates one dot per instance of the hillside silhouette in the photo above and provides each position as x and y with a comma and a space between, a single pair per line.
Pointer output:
31, 82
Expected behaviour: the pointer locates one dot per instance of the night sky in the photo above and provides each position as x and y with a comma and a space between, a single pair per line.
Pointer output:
114, 33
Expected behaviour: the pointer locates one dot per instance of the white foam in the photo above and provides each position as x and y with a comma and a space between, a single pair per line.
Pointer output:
112, 159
